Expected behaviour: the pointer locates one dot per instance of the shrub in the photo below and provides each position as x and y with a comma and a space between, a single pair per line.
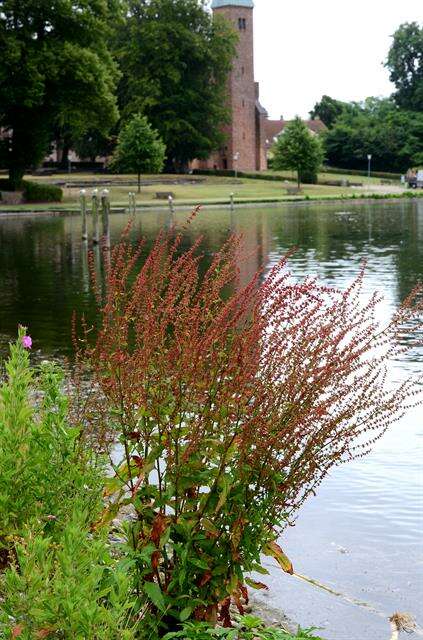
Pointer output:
41, 192
247, 628
231, 404
69, 589
45, 465
57, 579
35, 191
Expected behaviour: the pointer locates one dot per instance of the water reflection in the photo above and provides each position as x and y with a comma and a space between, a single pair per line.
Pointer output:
363, 533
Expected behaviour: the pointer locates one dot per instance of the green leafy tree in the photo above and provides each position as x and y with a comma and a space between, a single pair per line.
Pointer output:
392, 135
175, 59
405, 63
93, 143
297, 149
56, 74
139, 149
328, 110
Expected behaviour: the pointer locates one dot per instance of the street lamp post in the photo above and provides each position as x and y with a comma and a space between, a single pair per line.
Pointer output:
369, 158
236, 158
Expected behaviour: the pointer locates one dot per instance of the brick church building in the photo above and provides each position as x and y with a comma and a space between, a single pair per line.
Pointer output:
245, 145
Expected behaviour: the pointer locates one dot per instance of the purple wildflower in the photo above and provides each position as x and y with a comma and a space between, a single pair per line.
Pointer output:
26, 342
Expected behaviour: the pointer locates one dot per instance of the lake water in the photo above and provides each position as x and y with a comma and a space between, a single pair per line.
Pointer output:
362, 536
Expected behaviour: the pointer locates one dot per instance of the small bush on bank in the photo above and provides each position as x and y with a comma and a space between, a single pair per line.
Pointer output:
57, 577
40, 192
36, 191
69, 588
246, 628
44, 463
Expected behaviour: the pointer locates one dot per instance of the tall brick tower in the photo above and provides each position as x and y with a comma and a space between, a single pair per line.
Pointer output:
245, 145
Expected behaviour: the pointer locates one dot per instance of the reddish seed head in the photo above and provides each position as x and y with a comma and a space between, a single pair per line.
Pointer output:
288, 376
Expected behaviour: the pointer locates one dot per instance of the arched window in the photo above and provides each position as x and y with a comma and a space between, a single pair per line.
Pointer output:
242, 24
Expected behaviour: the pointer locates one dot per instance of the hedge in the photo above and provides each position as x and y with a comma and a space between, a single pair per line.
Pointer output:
362, 172
259, 176
227, 173
36, 191
40, 192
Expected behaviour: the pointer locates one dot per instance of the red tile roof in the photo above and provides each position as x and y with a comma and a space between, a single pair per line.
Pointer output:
274, 127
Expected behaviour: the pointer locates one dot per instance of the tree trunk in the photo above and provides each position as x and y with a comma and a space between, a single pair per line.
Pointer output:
139, 183
64, 160
16, 173
298, 179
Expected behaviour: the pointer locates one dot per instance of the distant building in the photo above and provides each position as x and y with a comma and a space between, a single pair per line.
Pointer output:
274, 128
250, 134
245, 145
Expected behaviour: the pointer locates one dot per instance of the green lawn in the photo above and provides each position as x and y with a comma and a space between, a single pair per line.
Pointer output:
191, 190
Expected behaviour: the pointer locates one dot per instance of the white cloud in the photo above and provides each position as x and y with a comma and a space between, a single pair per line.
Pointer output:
304, 49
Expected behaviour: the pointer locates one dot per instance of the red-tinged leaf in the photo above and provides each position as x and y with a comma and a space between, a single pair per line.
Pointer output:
238, 603
273, 549
158, 528
224, 612
256, 585
206, 577
43, 633
17, 631
134, 435
244, 591
155, 559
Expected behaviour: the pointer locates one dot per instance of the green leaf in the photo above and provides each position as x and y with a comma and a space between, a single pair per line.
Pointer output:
274, 550
209, 526
256, 585
185, 614
155, 594
226, 486
198, 562
259, 569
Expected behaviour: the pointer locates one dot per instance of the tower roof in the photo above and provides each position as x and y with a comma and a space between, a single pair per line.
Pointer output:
216, 4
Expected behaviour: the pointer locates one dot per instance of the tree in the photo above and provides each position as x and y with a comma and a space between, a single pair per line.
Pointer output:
139, 148
405, 63
378, 126
93, 143
297, 149
175, 58
328, 110
56, 74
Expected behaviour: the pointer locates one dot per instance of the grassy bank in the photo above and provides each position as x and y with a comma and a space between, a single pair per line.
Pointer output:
206, 190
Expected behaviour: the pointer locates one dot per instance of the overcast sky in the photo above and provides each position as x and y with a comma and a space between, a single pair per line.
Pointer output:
307, 48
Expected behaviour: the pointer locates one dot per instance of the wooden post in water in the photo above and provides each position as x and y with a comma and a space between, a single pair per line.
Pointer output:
83, 204
132, 204
94, 210
105, 212
232, 201
171, 207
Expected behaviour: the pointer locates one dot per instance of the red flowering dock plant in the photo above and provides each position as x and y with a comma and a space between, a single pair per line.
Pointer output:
231, 405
